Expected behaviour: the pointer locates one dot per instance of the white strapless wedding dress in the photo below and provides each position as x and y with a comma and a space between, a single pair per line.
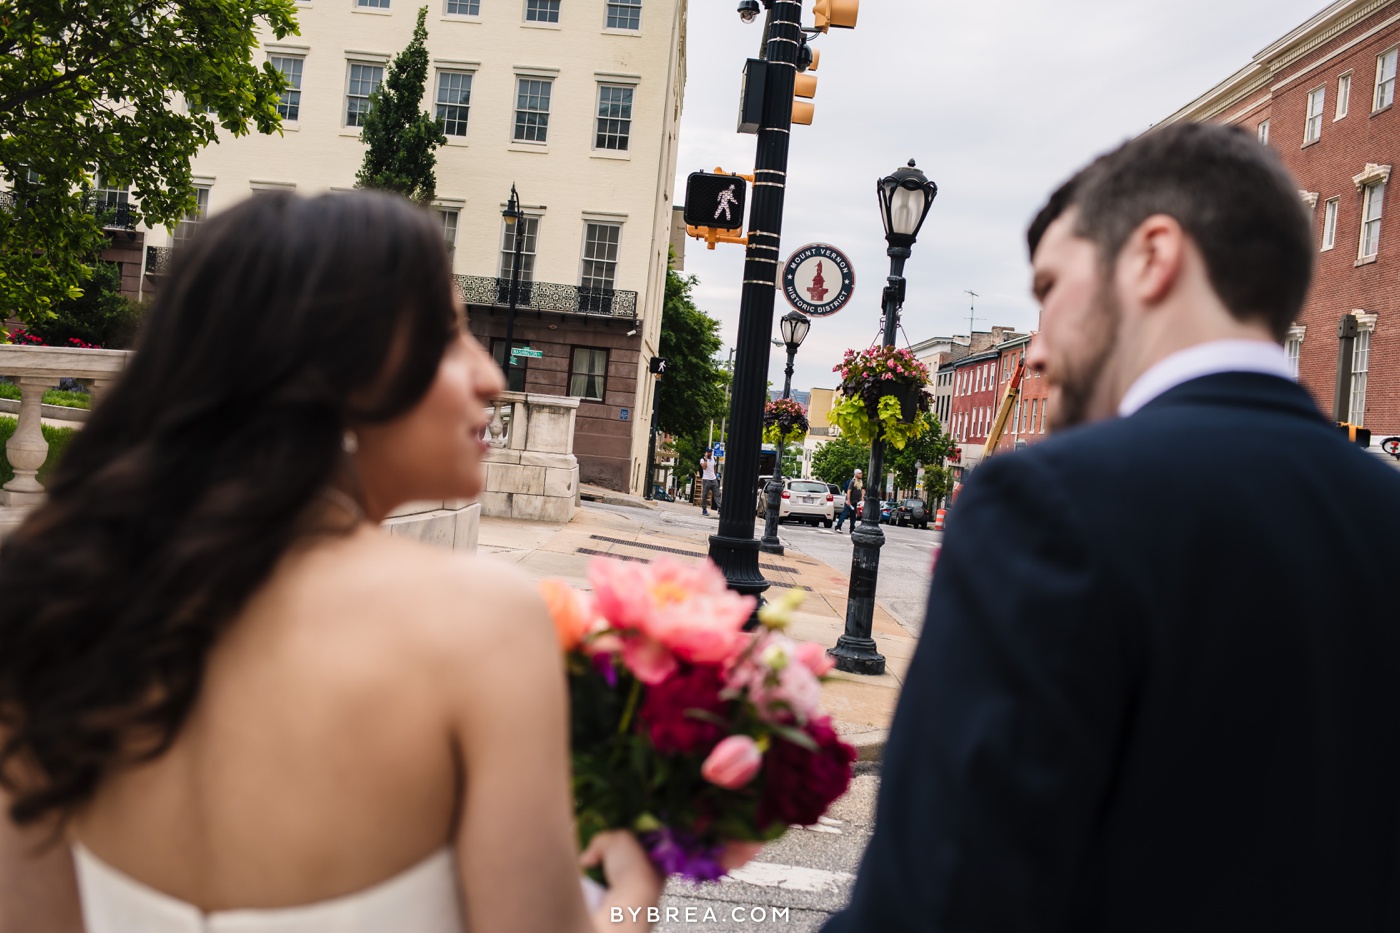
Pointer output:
421, 900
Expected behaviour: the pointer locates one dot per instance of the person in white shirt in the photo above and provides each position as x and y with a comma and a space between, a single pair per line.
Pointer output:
709, 483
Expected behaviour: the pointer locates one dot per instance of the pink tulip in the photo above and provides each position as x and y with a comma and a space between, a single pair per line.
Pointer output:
733, 763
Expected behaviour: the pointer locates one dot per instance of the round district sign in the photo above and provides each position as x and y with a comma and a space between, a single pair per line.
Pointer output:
818, 280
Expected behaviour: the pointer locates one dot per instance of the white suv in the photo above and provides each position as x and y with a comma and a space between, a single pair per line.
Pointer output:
807, 500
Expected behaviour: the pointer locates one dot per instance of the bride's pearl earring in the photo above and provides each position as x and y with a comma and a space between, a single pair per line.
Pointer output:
349, 442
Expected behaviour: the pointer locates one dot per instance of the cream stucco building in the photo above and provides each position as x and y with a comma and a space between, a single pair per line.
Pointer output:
575, 102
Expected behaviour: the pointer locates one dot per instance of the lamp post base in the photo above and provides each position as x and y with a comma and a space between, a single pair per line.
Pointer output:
737, 559
856, 655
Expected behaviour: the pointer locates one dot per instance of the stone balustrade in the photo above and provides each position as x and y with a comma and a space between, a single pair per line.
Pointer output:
531, 471
36, 370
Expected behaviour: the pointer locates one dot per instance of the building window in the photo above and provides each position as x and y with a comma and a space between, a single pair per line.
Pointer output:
588, 375
190, 225
532, 110
1360, 362
463, 7
363, 80
1372, 201
515, 381
372, 4
625, 14
1329, 224
289, 107
1264, 132
1293, 347
529, 235
454, 97
1343, 95
1385, 80
614, 117
600, 255
541, 11
111, 198
1312, 129
449, 229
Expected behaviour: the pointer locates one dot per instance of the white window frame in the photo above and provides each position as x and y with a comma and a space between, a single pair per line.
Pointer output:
1329, 223
450, 217
1312, 123
599, 118
528, 250
541, 128
558, 13
1343, 96
446, 11
1360, 366
110, 197
585, 259
376, 5
626, 5
438, 102
1372, 209
1264, 132
288, 87
350, 65
1384, 94
189, 225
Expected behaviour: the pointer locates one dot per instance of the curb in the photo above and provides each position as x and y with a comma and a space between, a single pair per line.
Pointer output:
869, 746
52, 412
615, 500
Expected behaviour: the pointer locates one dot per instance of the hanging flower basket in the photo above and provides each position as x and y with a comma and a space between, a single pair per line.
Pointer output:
882, 387
784, 421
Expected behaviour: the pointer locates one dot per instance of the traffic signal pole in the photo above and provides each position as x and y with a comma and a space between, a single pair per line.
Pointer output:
734, 549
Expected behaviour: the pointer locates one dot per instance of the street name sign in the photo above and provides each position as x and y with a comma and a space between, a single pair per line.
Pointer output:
528, 352
818, 280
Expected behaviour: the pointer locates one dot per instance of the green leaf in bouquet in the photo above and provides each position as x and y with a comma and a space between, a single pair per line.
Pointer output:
796, 737
647, 823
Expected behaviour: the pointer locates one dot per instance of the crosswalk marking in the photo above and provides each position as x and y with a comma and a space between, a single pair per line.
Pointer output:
788, 877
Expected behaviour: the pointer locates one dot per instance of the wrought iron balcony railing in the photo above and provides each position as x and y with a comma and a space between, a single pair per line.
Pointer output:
157, 260
548, 296
115, 215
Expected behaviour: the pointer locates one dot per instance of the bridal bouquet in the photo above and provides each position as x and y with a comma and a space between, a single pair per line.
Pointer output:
703, 739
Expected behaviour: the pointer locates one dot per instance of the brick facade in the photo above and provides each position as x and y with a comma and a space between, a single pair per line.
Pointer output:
1335, 58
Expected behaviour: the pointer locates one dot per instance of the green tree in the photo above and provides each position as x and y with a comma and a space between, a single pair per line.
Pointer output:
101, 315
691, 393
929, 448
402, 139
838, 459
90, 87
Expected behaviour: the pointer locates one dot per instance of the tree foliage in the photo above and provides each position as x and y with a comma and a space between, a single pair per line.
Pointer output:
838, 459
691, 393
102, 85
930, 448
101, 316
401, 138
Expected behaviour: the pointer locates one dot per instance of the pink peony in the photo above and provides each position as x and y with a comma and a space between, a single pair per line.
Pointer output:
814, 657
732, 763
777, 679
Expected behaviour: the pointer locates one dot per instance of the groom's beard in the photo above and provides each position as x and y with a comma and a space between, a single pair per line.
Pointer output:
1073, 390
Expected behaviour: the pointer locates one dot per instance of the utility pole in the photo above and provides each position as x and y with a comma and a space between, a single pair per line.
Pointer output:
734, 549
971, 315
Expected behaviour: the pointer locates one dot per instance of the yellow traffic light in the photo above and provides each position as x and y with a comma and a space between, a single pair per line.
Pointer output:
804, 86
839, 13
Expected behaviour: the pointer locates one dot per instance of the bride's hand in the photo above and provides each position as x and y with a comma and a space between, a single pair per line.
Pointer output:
633, 882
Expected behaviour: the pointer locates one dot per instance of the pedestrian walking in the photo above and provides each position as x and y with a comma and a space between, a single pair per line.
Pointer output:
1149, 696
855, 489
709, 483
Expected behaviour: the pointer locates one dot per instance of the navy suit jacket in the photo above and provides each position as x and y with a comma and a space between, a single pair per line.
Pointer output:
1158, 686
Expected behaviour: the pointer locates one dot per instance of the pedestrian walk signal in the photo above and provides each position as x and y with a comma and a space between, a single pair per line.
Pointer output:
717, 201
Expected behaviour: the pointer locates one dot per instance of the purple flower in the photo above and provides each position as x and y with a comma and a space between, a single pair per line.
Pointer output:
677, 853
603, 664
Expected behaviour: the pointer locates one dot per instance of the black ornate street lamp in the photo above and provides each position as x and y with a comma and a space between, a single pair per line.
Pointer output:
513, 215
905, 198
794, 327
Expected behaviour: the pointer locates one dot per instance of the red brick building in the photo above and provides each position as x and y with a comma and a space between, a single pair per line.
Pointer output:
1027, 421
973, 404
1324, 96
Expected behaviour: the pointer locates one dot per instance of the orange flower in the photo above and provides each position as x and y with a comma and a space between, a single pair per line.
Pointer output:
572, 611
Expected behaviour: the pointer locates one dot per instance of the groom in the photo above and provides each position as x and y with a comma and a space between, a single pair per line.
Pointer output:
1158, 686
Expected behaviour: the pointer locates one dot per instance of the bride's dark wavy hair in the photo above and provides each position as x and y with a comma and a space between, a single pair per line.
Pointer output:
283, 323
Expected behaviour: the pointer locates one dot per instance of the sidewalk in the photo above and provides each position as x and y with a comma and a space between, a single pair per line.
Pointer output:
862, 707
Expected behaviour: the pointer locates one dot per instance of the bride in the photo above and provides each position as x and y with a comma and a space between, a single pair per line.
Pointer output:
241, 704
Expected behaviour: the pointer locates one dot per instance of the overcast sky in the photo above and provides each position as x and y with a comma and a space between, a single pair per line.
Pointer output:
998, 102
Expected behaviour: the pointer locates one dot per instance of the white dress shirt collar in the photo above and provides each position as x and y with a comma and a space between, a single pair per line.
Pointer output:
1219, 356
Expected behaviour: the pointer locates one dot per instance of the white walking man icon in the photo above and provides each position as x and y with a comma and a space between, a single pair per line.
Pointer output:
726, 198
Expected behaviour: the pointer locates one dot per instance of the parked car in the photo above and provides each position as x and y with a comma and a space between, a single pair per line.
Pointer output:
911, 512
838, 498
803, 500
887, 508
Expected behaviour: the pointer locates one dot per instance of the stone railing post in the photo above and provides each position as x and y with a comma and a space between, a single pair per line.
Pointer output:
26, 449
